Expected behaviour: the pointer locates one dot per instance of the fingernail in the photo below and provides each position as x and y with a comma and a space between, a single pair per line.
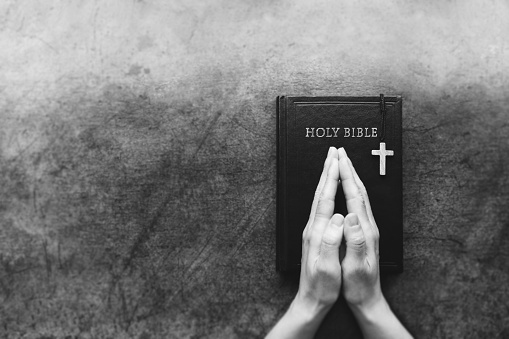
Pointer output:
337, 220
351, 220
342, 152
331, 151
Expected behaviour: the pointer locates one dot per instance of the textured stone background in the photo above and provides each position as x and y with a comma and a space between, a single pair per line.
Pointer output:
137, 160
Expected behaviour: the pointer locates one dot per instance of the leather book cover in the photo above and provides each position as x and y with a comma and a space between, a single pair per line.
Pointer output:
369, 128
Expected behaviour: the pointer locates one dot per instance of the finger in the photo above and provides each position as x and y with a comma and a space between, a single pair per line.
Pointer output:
331, 239
324, 207
306, 233
363, 191
321, 183
355, 239
354, 199
325, 204
365, 196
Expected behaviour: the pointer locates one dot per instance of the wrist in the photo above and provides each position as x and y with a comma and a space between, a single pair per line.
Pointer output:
308, 313
300, 321
372, 310
376, 320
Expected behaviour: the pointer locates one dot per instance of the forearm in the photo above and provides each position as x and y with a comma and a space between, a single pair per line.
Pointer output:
378, 321
299, 322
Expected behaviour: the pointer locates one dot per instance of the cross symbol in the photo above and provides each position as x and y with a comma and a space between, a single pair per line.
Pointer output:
382, 153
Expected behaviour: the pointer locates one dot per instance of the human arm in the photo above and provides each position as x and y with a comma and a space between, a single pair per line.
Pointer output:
361, 274
320, 276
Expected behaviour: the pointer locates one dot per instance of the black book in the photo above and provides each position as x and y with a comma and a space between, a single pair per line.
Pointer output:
369, 128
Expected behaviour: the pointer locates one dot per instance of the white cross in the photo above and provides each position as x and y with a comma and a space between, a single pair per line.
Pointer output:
382, 153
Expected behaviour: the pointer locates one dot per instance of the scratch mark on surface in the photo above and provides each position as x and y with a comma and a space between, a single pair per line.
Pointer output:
436, 238
146, 231
204, 253
207, 133
245, 235
237, 122
45, 43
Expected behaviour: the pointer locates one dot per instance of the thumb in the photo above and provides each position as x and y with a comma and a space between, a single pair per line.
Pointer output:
331, 239
354, 238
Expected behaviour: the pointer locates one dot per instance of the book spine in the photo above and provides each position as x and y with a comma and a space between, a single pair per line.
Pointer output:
281, 264
399, 111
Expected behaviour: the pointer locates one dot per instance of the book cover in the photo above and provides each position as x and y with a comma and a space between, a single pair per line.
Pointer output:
369, 128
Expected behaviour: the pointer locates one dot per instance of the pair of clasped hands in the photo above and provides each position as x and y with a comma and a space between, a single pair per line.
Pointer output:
324, 274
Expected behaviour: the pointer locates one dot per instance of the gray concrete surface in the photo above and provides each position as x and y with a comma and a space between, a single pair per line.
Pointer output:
137, 160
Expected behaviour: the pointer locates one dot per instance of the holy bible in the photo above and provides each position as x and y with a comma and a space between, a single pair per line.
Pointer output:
369, 128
